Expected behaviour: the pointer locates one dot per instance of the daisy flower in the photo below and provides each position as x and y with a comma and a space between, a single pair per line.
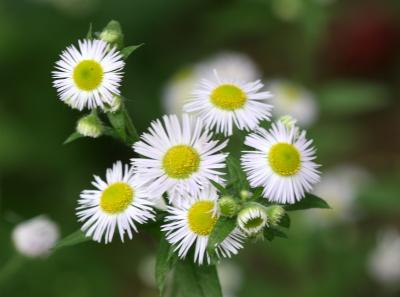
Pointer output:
179, 157
120, 202
224, 102
36, 237
295, 100
252, 220
191, 224
282, 163
88, 77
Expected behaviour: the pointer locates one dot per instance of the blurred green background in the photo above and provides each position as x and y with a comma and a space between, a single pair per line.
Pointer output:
347, 53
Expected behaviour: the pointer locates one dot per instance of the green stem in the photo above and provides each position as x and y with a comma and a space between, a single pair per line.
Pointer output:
11, 267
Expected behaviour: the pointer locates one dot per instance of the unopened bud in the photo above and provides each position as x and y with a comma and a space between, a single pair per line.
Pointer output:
245, 195
90, 126
252, 219
228, 206
112, 34
275, 214
115, 104
288, 121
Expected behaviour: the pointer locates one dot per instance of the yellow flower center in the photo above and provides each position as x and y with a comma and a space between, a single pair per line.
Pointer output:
181, 161
284, 159
88, 75
228, 97
201, 217
117, 197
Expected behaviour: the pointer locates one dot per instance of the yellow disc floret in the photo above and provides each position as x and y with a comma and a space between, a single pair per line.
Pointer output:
88, 75
201, 217
116, 197
181, 161
228, 97
284, 159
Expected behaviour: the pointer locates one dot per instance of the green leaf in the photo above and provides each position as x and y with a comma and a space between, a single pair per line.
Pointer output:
309, 201
89, 34
271, 233
127, 51
219, 187
221, 230
117, 120
257, 193
353, 96
197, 281
165, 261
236, 174
73, 239
285, 221
74, 136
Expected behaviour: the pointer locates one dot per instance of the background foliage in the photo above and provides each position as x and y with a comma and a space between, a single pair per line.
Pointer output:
346, 52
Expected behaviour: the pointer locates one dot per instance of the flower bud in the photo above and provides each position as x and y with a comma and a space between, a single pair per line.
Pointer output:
228, 206
244, 194
35, 237
252, 219
288, 121
115, 104
90, 126
275, 214
112, 34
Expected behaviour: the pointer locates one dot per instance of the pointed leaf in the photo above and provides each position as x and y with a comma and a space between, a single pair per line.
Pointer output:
165, 261
271, 233
221, 230
89, 34
117, 120
73, 239
127, 51
219, 187
74, 136
197, 281
285, 221
309, 201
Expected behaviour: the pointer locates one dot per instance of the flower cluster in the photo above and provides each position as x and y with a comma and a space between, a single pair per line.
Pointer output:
183, 160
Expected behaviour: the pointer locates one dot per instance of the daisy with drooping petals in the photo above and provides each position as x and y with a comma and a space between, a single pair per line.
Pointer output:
120, 202
191, 224
223, 102
88, 77
179, 157
252, 220
282, 163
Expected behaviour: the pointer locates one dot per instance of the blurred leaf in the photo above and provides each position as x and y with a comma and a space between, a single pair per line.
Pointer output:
165, 261
197, 281
346, 97
309, 201
285, 221
271, 233
74, 136
221, 230
127, 51
73, 239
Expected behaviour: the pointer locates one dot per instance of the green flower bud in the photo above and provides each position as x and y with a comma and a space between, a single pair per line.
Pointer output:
245, 195
112, 34
252, 219
90, 126
228, 206
275, 214
115, 104
288, 121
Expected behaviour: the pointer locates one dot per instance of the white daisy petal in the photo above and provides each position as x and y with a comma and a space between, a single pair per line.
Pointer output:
190, 225
178, 157
282, 163
88, 77
223, 103
119, 203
